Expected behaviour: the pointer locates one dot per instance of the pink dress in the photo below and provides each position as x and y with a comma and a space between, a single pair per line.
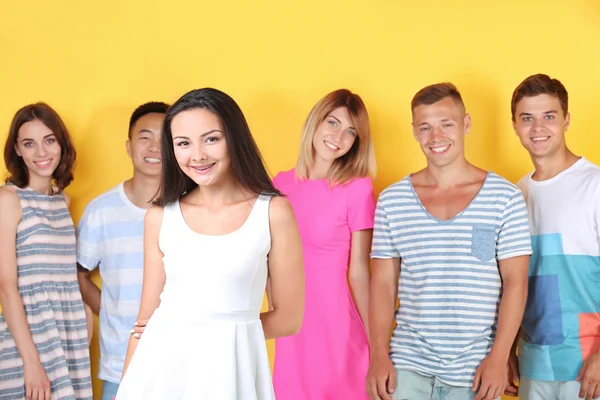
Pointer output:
328, 359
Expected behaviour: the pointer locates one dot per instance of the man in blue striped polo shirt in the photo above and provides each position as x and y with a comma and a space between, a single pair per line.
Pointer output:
453, 242
110, 236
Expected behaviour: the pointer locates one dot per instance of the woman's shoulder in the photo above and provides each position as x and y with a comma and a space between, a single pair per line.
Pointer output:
8, 195
154, 215
10, 204
285, 176
280, 210
359, 184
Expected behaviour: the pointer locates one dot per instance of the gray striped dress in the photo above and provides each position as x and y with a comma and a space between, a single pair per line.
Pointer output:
47, 282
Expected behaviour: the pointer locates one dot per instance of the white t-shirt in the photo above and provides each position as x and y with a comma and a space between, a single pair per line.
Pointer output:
561, 326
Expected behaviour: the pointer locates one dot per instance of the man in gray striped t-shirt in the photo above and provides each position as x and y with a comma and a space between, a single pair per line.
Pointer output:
453, 242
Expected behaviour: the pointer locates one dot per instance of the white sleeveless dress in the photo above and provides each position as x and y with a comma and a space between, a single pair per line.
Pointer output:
205, 340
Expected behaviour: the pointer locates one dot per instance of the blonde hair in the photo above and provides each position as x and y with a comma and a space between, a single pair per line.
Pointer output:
359, 161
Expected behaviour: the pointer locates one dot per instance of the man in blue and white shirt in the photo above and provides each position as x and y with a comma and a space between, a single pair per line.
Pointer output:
110, 236
452, 241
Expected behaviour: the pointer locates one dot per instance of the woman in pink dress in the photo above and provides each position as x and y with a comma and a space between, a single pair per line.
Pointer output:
331, 191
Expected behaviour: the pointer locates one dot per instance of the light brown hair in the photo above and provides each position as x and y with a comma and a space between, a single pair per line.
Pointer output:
433, 93
359, 161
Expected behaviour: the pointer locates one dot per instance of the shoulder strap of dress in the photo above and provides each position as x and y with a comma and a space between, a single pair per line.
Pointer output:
168, 226
262, 203
261, 212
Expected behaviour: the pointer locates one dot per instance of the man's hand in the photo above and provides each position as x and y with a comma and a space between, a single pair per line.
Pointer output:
589, 376
491, 378
514, 376
381, 378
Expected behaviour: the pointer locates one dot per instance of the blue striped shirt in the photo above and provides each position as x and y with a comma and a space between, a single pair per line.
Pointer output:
110, 235
450, 285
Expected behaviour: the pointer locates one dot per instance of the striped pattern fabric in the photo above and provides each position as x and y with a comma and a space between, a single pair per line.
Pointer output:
450, 286
47, 282
110, 236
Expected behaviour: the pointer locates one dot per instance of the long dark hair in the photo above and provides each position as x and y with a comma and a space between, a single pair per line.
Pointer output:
18, 172
246, 160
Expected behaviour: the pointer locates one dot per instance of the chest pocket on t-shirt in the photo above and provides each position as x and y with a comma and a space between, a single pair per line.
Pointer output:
483, 242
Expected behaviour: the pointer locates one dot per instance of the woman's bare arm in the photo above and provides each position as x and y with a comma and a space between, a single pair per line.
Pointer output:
154, 274
286, 273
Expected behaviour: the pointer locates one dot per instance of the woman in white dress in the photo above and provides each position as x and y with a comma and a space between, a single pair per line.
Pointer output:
218, 232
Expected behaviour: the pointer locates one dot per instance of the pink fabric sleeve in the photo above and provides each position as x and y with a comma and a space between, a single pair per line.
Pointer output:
361, 205
277, 181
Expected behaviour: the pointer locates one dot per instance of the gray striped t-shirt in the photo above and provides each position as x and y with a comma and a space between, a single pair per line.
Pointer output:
450, 285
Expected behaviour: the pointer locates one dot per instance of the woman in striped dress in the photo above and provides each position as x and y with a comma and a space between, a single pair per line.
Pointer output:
44, 352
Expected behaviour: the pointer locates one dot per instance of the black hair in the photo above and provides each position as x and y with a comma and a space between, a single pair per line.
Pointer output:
246, 160
148, 108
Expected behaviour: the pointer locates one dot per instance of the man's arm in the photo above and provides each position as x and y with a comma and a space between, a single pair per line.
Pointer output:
514, 273
89, 291
513, 250
382, 305
381, 379
89, 255
491, 377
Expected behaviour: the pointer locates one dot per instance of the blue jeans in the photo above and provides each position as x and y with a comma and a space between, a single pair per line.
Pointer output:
109, 390
414, 386
548, 390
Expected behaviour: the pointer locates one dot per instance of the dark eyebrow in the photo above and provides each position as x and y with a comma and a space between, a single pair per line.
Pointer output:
203, 135
144, 131
209, 132
31, 140
545, 112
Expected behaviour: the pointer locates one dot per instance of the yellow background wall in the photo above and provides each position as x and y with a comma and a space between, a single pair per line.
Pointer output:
96, 61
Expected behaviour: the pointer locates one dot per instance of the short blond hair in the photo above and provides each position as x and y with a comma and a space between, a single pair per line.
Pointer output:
359, 161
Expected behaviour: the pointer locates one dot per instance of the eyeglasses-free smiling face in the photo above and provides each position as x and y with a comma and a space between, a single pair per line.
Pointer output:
200, 146
335, 135
38, 147
540, 124
144, 145
440, 129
